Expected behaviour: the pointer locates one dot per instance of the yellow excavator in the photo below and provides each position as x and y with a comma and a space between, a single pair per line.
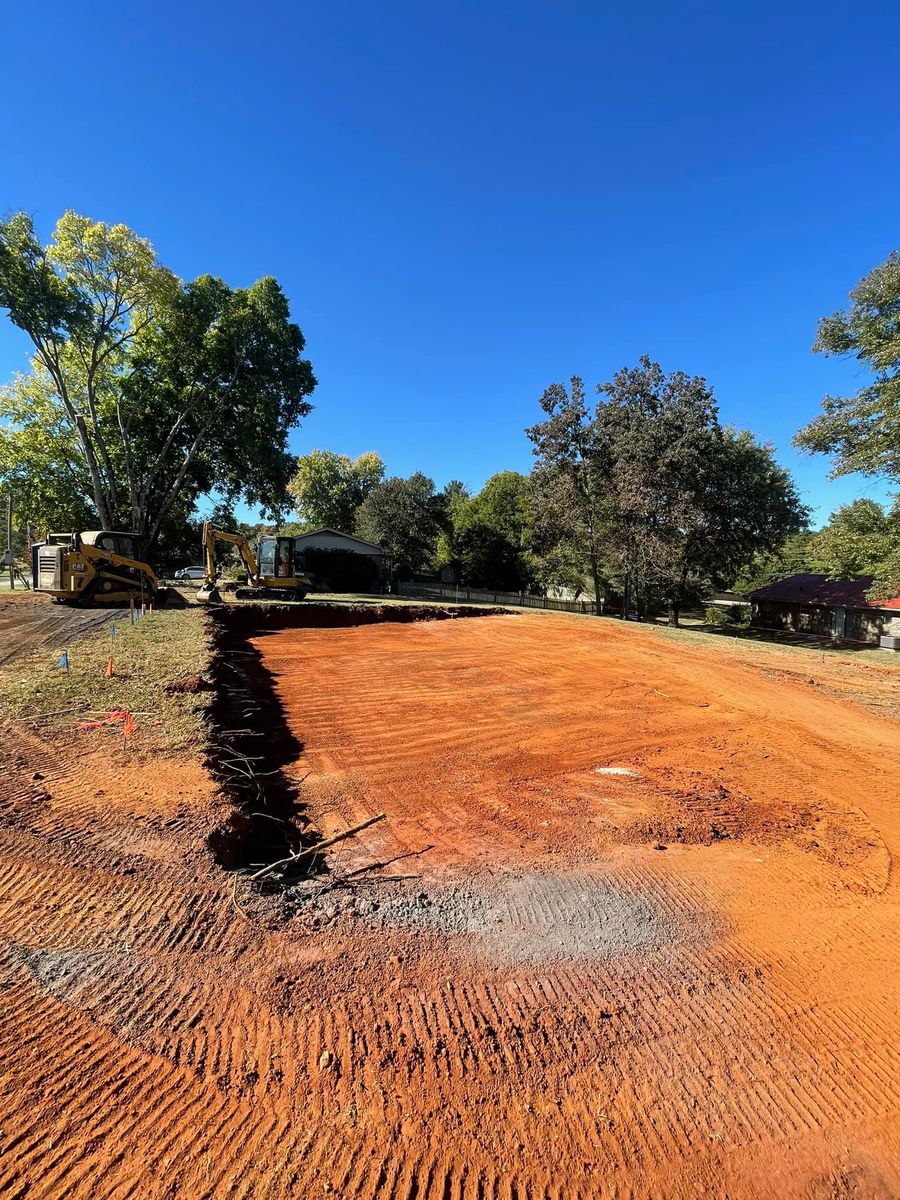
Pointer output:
278, 573
99, 566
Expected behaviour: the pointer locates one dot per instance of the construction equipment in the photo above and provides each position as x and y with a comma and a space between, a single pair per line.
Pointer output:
278, 573
99, 566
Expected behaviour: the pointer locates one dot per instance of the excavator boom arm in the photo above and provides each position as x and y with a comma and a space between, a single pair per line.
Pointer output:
211, 534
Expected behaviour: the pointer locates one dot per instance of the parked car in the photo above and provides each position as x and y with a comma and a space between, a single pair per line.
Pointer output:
191, 573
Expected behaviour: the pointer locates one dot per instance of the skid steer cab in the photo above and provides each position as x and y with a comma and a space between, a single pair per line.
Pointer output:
99, 566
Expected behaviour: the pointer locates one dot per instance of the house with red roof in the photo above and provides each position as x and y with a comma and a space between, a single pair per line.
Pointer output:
836, 608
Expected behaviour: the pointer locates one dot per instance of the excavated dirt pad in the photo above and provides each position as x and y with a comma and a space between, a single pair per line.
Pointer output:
676, 980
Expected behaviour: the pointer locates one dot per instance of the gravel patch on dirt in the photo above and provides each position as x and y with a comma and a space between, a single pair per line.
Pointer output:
516, 920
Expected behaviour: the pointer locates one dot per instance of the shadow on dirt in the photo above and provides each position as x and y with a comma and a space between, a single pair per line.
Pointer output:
250, 745
254, 619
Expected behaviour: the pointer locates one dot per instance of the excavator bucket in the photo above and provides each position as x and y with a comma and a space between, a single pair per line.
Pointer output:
209, 593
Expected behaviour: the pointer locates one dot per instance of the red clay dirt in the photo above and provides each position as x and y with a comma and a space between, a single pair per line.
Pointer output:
679, 981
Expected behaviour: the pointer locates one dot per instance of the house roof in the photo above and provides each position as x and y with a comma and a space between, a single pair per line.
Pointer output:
350, 537
825, 592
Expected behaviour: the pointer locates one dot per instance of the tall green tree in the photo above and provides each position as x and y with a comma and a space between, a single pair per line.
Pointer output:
861, 538
82, 300
862, 431
689, 501
490, 538
657, 439
169, 390
569, 459
668, 501
328, 488
406, 516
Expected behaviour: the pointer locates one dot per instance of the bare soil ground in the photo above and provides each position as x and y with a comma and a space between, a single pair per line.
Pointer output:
651, 949
28, 622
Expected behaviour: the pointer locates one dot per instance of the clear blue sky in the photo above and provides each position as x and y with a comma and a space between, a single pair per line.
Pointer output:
467, 201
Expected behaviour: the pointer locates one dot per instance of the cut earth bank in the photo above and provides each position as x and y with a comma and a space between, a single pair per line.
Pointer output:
649, 950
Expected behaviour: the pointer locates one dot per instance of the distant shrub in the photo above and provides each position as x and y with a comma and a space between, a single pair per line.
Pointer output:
341, 570
713, 615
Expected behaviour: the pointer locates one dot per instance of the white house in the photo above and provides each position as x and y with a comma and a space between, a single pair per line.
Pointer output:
333, 539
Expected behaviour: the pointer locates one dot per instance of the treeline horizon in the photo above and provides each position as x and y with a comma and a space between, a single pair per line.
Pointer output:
147, 393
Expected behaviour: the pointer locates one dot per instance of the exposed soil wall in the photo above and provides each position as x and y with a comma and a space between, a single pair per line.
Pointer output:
249, 745
259, 618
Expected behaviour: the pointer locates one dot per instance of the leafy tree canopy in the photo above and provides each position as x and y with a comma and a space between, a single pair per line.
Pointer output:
41, 463
164, 390
490, 534
407, 516
861, 538
454, 494
667, 501
560, 535
328, 488
862, 431
570, 475
793, 557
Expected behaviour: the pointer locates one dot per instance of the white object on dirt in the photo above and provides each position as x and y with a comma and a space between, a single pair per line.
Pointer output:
615, 771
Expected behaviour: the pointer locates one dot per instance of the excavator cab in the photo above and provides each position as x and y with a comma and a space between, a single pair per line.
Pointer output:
276, 557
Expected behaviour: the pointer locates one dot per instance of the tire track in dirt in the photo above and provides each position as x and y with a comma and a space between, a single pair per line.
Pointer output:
30, 623
483, 1032
390, 754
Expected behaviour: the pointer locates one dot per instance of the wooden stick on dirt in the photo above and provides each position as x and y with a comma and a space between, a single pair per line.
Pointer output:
338, 837
234, 900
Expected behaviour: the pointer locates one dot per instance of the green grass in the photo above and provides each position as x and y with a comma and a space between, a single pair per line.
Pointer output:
747, 638
155, 652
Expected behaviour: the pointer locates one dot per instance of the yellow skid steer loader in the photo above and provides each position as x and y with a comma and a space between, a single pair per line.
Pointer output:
99, 566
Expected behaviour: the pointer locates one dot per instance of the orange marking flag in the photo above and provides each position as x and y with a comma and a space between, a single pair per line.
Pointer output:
111, 718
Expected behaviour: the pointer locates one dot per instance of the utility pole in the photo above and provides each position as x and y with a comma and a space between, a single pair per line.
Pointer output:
9, 546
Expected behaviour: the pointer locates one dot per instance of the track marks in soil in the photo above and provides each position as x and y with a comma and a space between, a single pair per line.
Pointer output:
154, 1042
32, 623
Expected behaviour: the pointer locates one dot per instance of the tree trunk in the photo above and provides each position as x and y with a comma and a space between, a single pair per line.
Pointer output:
678, 600
595, 575
100, 498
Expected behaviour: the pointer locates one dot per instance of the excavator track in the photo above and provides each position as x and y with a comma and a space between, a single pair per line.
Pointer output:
269, 593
